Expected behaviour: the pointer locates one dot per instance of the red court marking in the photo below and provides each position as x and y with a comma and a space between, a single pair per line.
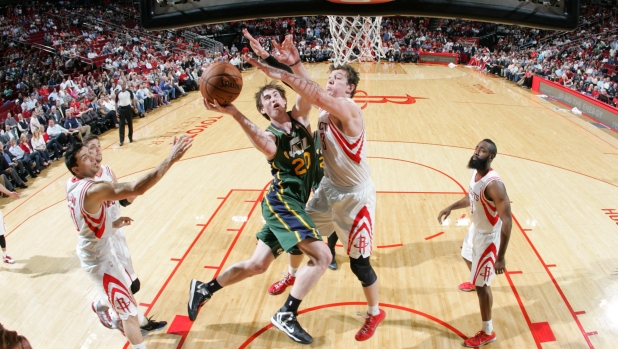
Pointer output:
433, 236
550, 265
144, 304
250, 200
231, 229
542, 332
591, 333
527, 229
553, 280
181, 325
200, 225
416, 163
30, 216
382, 305
514, 156
211, 267
389, 246
338, 245
462, 216
581, 312
523, 310
220, 198
514, 272
31, 195
176, 259
418, 192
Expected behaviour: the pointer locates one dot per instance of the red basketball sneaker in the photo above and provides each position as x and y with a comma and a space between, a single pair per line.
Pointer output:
280, 286
7, 259
103, 314
480, 338
371, 322
467, 287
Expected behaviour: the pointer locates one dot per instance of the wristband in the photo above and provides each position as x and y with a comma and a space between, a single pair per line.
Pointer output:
295, 63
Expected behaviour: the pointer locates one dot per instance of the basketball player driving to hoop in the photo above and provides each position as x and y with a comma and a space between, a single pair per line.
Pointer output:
346, 198
90, 207
484, 246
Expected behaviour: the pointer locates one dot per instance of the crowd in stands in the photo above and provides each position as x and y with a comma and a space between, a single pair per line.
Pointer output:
62, 66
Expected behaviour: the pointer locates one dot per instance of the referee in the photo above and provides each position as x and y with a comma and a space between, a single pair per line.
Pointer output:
124, 100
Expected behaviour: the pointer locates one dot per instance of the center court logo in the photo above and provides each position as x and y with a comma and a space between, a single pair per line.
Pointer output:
363, 99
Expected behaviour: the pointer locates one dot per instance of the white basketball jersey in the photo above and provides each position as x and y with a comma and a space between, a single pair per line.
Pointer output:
94, 230
345, 157
106, 175
484, 213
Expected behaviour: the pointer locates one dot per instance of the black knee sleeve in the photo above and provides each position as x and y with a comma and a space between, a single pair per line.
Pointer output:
2, 241
135, 285
363, 271
295, 251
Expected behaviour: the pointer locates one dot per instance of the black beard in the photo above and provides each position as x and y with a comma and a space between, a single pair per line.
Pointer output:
478, 164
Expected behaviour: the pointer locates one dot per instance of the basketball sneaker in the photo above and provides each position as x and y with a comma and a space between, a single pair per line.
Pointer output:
152, 326
280, 286
102, 312
333, 264
467, 287
7, 259
371, 322
286, 322
479, 339
198, 295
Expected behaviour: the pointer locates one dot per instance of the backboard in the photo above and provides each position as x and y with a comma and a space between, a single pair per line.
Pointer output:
547, 14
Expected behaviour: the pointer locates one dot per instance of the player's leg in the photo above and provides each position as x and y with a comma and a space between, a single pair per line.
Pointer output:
295, 257
484, 254
353, 214
332, 241
5, 257
466, 254
200, 293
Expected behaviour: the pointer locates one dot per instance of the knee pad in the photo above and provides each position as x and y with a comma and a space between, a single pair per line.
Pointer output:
2, 241
295, 251
135, 285
363, 271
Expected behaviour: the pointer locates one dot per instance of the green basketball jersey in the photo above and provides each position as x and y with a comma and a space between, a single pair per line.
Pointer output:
294, 165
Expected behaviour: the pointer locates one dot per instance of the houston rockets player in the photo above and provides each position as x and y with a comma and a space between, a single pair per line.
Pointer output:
90, 207
346, 198
119, 247
484, 246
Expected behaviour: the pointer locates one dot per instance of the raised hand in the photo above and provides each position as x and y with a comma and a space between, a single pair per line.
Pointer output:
179, 146
273, 73
286, 53
255, 45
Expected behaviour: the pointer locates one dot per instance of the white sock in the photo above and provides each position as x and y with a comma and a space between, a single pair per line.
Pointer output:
488, 327
292, 271
3, 253
139, 346
373, 310
141, 319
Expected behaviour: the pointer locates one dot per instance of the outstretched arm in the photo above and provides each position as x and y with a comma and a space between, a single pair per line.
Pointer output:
497, 193
262, 140
339, 108
105, 191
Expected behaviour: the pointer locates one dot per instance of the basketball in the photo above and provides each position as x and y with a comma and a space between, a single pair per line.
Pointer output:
221, 81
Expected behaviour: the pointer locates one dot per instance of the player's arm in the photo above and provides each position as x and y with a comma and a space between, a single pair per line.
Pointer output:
339, 108
497, 193
261, 140
124, 202
463, 203
105, 191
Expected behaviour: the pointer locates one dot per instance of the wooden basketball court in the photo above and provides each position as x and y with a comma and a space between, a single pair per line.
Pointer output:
422, 122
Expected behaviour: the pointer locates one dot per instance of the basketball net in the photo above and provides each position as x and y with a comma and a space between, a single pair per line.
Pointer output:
360, 34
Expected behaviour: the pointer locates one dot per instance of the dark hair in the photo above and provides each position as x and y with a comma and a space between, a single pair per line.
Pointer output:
90, 137
353, 77
493, 150
8, 339
258, 96
70, 157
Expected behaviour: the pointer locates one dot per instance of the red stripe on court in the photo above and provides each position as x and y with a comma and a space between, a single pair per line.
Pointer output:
231, 229
550, 265
175, 259
542, 332
591, 333
581, 312
389, 246
144, 304
523, 310
211, 267
433, 236
527, 229
513, 272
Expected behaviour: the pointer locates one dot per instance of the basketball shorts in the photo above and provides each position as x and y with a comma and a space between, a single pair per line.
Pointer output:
121, 249
483, 249
349, 212
2, 226
287, 223
113, 283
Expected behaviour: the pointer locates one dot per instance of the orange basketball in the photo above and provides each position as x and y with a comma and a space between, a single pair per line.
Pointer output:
221, 81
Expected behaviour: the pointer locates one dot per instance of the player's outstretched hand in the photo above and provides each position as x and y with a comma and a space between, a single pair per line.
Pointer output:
444, 214
229, 109
14, 195
286, 52
180, 146
255, 45
122, 222
272, 72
